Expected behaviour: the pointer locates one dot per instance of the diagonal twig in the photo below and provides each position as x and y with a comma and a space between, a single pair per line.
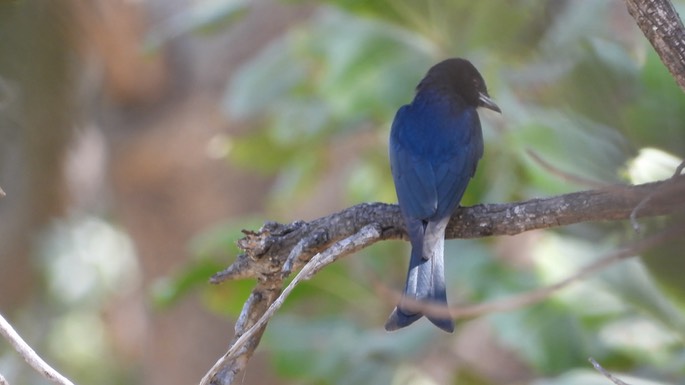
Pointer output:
29, 355
606, 374
648, 197
679, 170
565, 175
318, 262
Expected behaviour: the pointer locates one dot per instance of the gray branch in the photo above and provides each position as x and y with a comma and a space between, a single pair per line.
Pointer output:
266, 250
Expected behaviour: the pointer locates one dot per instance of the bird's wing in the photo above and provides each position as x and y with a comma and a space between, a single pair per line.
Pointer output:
454, 169
414, 176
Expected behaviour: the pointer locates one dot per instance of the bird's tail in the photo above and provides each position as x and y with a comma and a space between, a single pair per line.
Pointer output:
425, 280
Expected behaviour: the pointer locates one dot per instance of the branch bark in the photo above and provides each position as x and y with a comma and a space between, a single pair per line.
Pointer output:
278, 247
662, 26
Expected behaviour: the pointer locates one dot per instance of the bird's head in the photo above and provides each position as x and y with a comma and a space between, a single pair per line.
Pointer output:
459, 76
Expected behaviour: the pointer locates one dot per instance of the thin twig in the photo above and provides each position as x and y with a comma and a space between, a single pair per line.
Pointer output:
669, 182
30, 355
633, 214
606, 374
565, 175
678, 170
318, 262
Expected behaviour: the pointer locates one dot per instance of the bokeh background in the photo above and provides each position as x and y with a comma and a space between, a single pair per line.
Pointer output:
137, 137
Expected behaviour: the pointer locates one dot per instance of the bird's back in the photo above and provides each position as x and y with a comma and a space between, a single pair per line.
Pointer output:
435, 144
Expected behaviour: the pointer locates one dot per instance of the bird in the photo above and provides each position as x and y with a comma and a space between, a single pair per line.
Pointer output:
435, 144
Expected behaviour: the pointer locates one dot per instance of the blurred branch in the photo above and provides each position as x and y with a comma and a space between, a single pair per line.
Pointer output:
662, 26
561, 174
679, 169
276, 248
606, 374
30, 355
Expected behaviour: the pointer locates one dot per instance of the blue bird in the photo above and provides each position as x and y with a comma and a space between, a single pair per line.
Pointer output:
435, 144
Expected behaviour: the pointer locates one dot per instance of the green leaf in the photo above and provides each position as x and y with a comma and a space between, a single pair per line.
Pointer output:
548, 336
655, 116
665, 263
167, 291
633, 284
264, 80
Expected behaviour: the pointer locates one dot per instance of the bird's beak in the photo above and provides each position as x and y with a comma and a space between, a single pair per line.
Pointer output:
486, 102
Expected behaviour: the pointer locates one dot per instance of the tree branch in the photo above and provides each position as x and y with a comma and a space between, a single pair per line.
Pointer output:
662, 26
272, 251
266, 250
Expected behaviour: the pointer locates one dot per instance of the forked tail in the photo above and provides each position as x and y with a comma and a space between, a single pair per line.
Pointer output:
425, 280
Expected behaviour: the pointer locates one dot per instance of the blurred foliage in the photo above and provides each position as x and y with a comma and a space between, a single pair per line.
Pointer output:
84, 260
200, 16
338, 339
578, 88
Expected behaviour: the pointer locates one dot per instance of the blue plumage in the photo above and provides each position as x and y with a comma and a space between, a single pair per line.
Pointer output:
435, 144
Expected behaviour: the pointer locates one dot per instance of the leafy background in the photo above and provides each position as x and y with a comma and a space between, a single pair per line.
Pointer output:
579, 87
571, 87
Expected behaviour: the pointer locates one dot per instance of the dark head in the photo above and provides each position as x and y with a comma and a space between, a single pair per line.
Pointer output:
461, 77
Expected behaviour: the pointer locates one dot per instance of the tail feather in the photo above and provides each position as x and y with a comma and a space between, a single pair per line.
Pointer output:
425, 278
